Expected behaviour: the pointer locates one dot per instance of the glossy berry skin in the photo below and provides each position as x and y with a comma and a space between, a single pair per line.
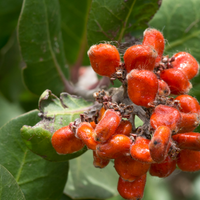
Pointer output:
101, 113
142, 87
125, 128
154, 38
189, 160
188, 104
189, 140
158, 145
140, 57
186, 63
130, 169
163, 169
65, 142
107, 125
163, 88
117, 145
104, 59
132, 190
176, 80
99, 162
93, 124
85, 132
140, 150
189, 121
165, 116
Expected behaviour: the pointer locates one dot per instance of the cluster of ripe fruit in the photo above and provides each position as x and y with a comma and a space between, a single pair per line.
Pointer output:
166, 140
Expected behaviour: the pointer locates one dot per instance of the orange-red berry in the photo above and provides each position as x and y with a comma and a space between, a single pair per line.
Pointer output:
163, 169
107, 126
93, 124
104, 59
186, 63
132, 190
86, 133
176, 80
99, 162
142, 87
117, 145
154, 38
163, 88
140, 150
158, 145
125, 128
130, 169
140, 57
65, 142
101, 113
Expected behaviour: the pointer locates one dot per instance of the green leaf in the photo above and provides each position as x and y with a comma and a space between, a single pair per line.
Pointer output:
87, 182
73, 23
41, 45
37, 178
9, 13
55, 113
9, 189
111, 20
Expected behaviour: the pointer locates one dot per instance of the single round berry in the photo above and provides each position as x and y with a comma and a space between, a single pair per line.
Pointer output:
163, 88
65, 142
142, 87
104, 59
140, 57
125, 128
99, 162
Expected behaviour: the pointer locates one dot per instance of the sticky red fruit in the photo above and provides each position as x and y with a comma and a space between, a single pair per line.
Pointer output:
189, 121
142, 87
154, 38
130, 169
188, 141
107, 126
132, 190
176, 80
140, 150
189, 160
65, 142
163, 88
163, 169
101, 113
158, 145
86, 133
165, 116
140, 57
104, 59
188, 103
186, 63
125, 128
99, 162
117, 145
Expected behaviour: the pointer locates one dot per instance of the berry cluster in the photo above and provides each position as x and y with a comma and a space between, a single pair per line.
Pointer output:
166, 138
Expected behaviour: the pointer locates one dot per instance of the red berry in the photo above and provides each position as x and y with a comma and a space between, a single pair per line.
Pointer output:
104, 59
159, 143
163, 169
132, 190
140, 150
65, 142
86, 133
130, 169
176, 80
99, 162
186, 63
142, 87
154, 38
188, 141
107, 126
163, 88
165, 116
117, 145
140, 57
189, 160
125, 128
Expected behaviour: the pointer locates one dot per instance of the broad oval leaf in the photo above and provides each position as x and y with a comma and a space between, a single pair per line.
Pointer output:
40, 39
56, 113
111, 20
87, 182
37, 178
9, 189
